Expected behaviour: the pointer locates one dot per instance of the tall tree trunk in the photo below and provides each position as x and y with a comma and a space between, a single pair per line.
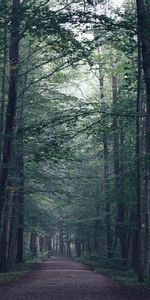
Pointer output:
138, 170
12, 98
12, 233
68, 241
143, 15
115, 151
107, 200
78, 247
41, 244
120, 226
20, 204
4, 238
3, 93
124, 230
106, 169
61, 239
147, 233
20, 164
9, 213
20, 194
96, 232
33, 244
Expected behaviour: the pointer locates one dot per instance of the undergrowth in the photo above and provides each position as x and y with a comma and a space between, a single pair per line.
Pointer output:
15, 272
114, 269
18, 270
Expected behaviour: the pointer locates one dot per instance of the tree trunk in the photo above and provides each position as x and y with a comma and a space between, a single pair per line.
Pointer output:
61, 239
20, 225
12, 233
106, 169
68, 242
12, 98
3, 93
147, 233
78, 247
115, 152
108, 206
143, 15
33, 244
96, 233
138, 171
20, 193
41, 244
4, 238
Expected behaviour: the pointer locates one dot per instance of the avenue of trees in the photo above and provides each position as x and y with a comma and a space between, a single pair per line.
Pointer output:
75, 131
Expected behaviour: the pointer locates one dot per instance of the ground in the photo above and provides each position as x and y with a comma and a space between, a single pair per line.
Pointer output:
66, 279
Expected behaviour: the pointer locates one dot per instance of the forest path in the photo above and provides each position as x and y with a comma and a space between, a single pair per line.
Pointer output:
65, 279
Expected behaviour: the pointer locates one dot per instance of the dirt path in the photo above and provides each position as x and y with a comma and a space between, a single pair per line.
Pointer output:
65, 279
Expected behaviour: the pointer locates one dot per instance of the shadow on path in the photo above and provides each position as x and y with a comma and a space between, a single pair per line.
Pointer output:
65, 279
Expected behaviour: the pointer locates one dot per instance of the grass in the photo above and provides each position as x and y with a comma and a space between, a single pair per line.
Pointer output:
6, 277
114, 269
15, 272
19, 270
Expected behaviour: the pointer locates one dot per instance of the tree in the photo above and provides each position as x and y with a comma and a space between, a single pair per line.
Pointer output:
11, 106
143, 13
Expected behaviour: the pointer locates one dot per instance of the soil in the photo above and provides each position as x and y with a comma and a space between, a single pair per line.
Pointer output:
66, 279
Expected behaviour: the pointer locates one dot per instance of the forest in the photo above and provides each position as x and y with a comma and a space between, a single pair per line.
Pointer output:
75, 132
